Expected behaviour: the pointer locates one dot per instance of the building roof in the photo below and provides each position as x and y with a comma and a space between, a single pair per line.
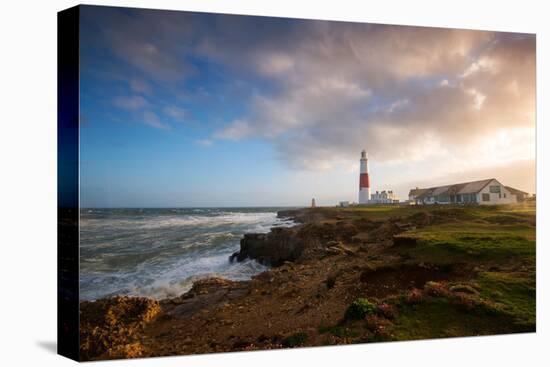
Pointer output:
417, 191
515, 191
472, 187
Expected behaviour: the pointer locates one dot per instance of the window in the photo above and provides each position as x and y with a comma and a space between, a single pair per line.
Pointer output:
494, 189
485, 197
504, 195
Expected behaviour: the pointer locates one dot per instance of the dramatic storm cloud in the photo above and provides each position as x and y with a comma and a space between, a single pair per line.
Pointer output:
427, 103
403, 93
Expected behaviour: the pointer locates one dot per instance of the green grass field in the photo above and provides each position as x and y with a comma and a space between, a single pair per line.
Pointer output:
498, 294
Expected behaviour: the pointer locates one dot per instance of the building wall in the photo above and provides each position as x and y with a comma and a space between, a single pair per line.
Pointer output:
505, 196
414, 201
495, 198
384, 201
384, 195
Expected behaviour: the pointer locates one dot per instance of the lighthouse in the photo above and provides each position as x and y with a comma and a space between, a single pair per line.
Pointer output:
364, 181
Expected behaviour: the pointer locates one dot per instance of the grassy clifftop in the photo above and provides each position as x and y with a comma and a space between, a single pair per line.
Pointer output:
360, 274
495, 246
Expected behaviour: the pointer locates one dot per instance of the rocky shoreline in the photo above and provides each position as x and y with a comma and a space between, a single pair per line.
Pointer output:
330, 261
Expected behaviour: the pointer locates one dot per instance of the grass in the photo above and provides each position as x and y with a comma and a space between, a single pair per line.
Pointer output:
380, 211
502, 303
478, 233
480, 241
516, 293
439, 318
502, 300
497, 236
476, 211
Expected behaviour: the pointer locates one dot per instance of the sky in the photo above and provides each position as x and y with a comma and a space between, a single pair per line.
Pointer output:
181, 109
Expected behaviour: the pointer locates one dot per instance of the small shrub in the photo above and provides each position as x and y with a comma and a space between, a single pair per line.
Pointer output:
489, 308
379, 326
387, 310
435, 289
414, 296
295, 340
360, 308
374, 323
476, 305
464, 302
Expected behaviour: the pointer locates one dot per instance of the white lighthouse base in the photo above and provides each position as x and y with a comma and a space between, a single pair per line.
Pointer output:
364, 195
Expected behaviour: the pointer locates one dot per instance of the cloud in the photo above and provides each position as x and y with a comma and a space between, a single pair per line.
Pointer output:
275, 63
319, 103
146, 41
319, 91
131, 103
401, 92
151, 119
177, 113
237, 130
204, 142
138, 106
139, 86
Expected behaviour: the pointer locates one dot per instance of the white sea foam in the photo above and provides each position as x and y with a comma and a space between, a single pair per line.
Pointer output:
175, 283
160, 253
212, 221
263, 219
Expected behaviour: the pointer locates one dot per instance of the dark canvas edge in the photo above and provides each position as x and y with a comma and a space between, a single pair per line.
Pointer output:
68, 183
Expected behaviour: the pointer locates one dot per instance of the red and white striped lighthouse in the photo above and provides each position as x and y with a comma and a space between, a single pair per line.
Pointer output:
364, 181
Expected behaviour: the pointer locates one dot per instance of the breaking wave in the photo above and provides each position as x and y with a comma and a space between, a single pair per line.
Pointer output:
160, 252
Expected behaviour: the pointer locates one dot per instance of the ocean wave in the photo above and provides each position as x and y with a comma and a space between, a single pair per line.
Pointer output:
169, 284
161, 253
222, 219
262, 219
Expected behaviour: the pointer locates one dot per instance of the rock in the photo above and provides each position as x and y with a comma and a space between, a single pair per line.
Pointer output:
361, 237
235, 257
333, 251
337, 247
207, 285
108, 327
274, 248
302, 242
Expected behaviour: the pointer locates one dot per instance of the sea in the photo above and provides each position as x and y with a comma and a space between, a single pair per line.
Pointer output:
159, 253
